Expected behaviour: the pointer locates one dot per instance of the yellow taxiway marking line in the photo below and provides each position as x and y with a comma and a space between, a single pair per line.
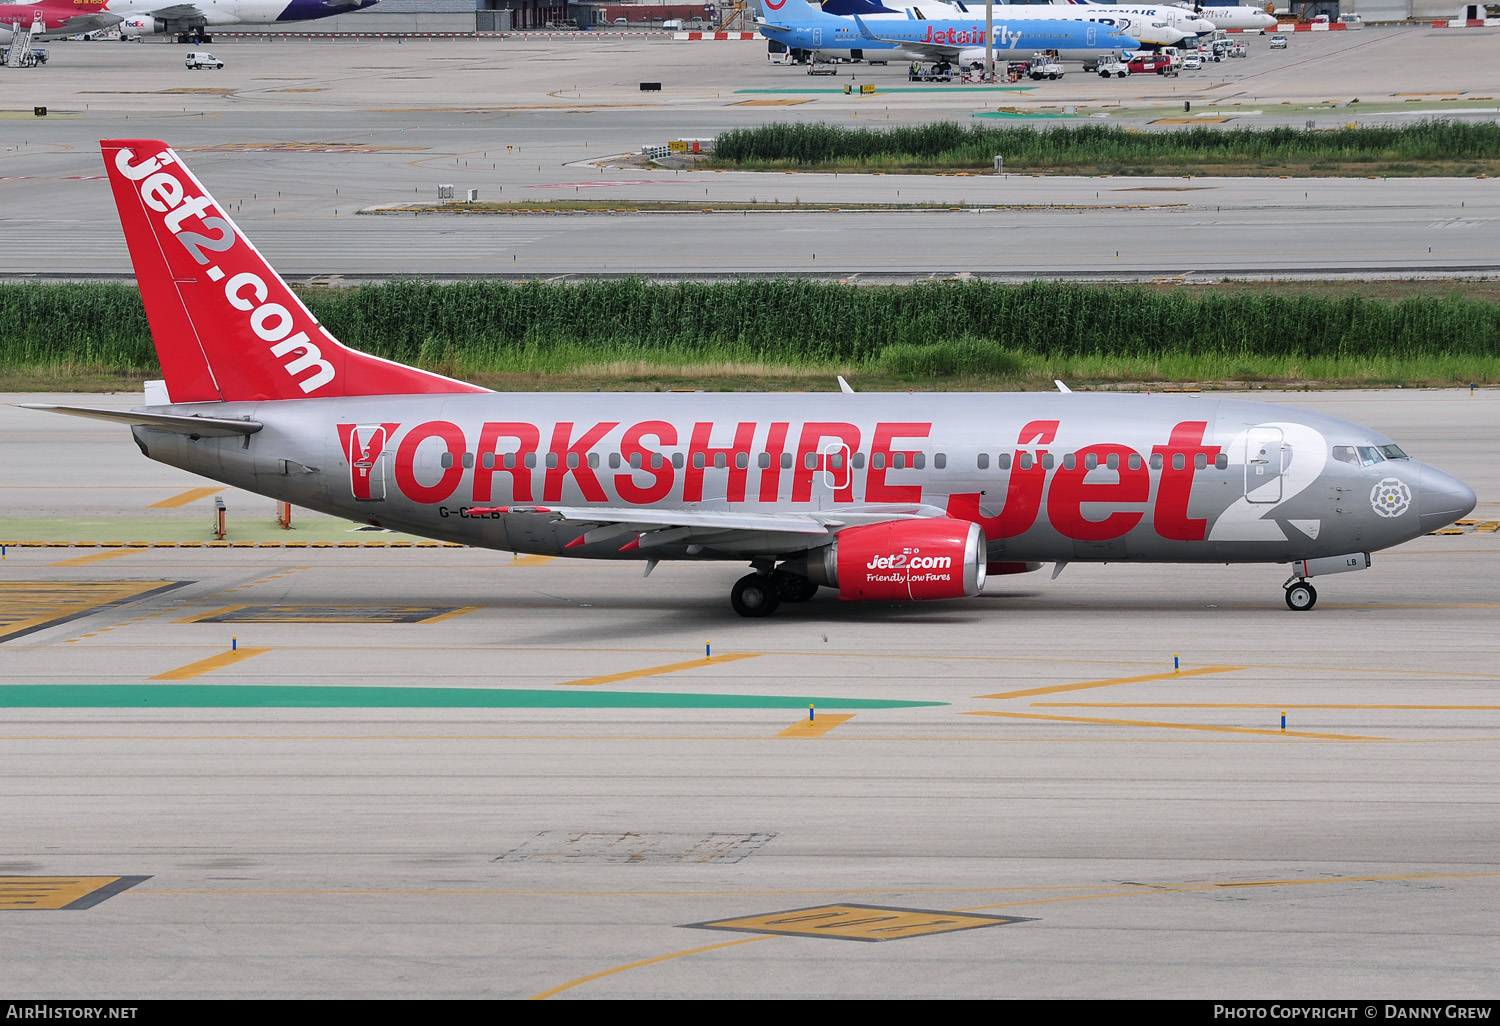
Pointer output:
97, 557
816, 727
210, 664
1178, 726
532, 560
221, 611
643, 962
191, 495
1085, 685
652, 671
1257, 705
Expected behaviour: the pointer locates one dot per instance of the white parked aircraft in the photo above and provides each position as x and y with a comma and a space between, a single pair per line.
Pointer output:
193, 20
1174, 16
1233, 17
878, 497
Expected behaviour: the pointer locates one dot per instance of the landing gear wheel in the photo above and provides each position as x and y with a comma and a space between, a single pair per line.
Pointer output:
754, 595
1301, 596
793, 587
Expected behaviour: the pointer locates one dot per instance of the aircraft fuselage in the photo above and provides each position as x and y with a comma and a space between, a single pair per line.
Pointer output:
1049, 477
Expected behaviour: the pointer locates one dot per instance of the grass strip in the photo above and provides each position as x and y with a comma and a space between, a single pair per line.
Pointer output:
789, 334
1434, 146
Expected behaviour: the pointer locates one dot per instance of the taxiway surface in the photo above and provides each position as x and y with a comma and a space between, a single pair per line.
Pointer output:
299, 137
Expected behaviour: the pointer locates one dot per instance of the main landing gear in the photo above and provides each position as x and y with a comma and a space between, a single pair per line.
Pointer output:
1301, 595
763, 592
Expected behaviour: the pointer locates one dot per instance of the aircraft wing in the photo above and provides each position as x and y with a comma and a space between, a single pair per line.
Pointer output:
173, 12
646, 527
88, 22
206, 427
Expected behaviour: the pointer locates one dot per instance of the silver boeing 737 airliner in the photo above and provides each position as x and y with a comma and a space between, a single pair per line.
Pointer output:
874, 496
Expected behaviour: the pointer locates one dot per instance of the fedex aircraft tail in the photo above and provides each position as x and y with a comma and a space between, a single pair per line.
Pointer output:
225, 326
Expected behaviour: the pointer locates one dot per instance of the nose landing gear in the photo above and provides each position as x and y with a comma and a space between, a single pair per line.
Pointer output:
1301, 595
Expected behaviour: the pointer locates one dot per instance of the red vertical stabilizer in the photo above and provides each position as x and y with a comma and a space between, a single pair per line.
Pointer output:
224, 323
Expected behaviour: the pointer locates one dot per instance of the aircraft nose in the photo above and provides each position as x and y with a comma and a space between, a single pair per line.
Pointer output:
1444, 499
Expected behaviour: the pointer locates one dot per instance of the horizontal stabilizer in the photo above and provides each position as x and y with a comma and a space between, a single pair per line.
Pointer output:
206, 427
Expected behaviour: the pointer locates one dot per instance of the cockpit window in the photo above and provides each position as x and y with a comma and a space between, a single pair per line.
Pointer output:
1346, 454
1369, 455
1392, 452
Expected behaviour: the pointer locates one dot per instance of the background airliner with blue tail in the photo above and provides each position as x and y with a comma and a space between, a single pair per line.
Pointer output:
1151, 31
801, 27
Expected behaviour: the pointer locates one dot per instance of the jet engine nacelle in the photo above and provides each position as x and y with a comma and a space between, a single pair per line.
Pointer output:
974, 58
139, 25
904, 560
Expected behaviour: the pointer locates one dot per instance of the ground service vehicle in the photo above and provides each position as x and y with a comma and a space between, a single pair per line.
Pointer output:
202, 59
1112, 67
1278, 42
1044, 67
879, 497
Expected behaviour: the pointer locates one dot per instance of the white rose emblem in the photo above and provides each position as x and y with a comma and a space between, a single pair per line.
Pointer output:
1390, 497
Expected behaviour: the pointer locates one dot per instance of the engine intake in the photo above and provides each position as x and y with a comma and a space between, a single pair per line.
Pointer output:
903, 560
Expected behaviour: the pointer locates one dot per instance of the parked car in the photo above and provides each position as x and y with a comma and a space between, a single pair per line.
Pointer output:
1278, 42
1192, 62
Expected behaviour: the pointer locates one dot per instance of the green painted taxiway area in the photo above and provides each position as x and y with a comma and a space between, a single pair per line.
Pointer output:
254, 696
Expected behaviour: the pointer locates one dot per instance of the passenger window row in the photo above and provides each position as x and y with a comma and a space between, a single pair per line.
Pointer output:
898, 461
